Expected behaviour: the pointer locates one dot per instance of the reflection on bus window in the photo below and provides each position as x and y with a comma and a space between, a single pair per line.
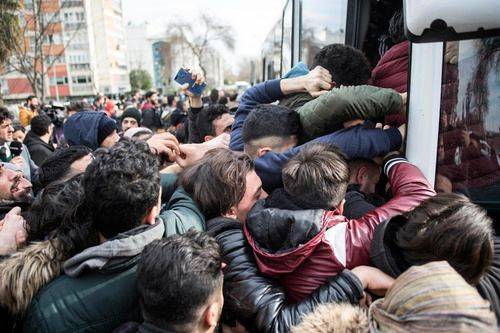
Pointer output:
323, 23
469, 139
271, 53
286, 55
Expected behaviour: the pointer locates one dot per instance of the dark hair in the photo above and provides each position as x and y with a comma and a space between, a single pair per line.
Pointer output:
149, 94
214, 95
223, 100
205, 118
52, 206
170, 100
58, 165
176, 276
218, 181
30, 97
317, 177
121, 185
40, 124
347, 65
5, 114
270, 120
396, 27
77, 107
449, 227
19, 127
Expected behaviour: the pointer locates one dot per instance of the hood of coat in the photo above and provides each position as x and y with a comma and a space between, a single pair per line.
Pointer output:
32, 139
25, 272
283, 239
82, 129
116, 253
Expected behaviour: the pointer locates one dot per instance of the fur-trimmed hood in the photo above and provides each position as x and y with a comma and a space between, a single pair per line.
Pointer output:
334, 318
25, 272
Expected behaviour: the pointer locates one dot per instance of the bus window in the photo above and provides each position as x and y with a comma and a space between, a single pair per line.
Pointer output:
323, 23
286, 49
469, 135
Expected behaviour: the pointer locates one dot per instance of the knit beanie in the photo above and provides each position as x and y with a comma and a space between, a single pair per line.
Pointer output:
132, 113
105, 128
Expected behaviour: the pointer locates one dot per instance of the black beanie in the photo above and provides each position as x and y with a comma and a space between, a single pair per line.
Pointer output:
106, 127
132, 113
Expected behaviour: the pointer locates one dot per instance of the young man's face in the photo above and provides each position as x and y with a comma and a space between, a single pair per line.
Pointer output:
253, 193
154, 98
6, 131
223, 124
110, 140
129, 122
18, 136
13, 186
33, 103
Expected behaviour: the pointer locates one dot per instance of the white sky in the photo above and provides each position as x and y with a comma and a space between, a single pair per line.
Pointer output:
251, 19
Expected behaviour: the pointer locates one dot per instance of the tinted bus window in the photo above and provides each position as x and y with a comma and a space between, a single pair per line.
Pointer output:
323, 23
286, 50
469, 139
271, 53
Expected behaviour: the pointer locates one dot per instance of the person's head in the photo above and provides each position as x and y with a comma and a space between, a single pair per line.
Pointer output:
122, 188
214, 96
64, 164
110, 107
365, 173
270, 128
223, 100
151, 96
138, 133
317, 177
180, 280
52, 206
6, 129
42, 125
449, 227
213, 121
347, 65
19, 132
32, 102
92, 129
224, 183
170, 100
396, 27
131, 118
75, 107
99, 100
13, 185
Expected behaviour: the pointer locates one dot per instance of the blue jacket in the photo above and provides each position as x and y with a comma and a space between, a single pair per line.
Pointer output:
356, 142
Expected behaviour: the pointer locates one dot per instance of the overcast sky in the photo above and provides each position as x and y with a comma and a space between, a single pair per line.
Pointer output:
251, 19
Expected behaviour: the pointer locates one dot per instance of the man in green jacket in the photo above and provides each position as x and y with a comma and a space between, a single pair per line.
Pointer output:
120, 215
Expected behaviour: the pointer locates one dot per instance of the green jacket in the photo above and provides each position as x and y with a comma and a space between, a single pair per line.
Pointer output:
100, 301
327, 113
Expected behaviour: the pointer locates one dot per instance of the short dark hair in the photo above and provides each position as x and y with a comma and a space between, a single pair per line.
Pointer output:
178, 275
317, 177
57, 166
19, 127
223, 100
396, 27
347, 65
5, 114
268, 120
40, 124
214, 95
205, 118
449, 227
121, 185
52, 206
150, 93
170, 100
218, 181
30, 97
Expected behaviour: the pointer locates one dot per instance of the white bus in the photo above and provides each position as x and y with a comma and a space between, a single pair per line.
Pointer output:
453, 115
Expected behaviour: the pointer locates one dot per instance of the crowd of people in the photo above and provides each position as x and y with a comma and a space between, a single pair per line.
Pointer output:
292, 209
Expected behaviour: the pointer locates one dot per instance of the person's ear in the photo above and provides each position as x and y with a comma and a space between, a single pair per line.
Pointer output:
340, 207
360, 175
262, 151
152, 214
231, 213
211, 315
208, 138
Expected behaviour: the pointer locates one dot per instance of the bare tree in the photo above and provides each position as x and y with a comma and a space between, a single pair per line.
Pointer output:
202, 37
9, 28
37, 52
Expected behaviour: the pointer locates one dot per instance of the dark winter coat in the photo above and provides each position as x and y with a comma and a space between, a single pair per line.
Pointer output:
151, 117
259, 303
39, 149
392, 69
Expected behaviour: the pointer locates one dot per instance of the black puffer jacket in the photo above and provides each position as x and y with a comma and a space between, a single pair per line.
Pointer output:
258, 302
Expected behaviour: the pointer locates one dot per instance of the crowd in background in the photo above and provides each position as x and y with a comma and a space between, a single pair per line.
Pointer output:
289, 208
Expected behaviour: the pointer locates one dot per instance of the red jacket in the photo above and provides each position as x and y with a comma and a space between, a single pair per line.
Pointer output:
304, 248
392, 69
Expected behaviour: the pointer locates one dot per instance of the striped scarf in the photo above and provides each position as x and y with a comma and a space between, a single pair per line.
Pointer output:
431, 298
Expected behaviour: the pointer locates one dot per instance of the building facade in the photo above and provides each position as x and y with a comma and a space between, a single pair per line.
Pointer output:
84, 50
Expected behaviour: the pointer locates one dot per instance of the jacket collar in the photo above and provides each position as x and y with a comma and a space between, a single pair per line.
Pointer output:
218, 225
116, 253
